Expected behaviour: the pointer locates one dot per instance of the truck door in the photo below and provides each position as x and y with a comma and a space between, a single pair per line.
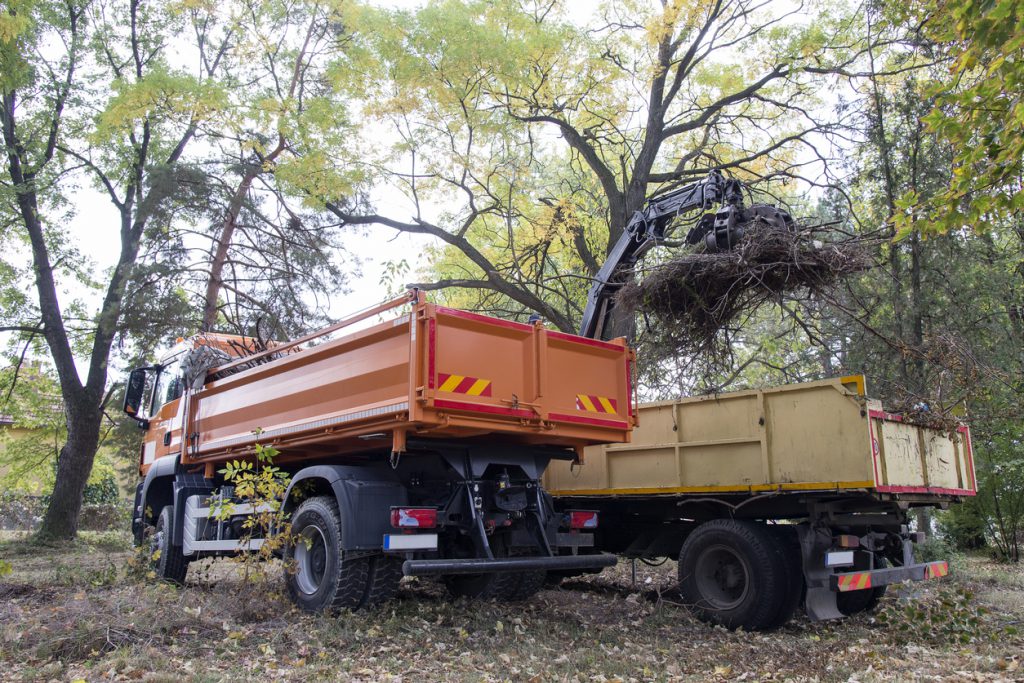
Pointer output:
166, 424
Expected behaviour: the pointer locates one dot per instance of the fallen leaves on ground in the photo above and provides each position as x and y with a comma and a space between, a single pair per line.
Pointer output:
593, 629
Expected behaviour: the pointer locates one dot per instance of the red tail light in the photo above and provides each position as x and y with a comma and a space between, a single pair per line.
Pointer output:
414, 518
582, 519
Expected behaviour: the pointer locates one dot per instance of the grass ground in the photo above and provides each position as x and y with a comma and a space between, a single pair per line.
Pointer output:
75, 613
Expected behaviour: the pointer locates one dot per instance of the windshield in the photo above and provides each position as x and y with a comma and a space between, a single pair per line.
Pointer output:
169, 384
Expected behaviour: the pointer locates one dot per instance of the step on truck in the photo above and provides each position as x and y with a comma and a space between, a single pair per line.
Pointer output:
418, 444
768, 499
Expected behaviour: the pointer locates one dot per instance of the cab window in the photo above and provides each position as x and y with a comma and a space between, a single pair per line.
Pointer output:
169, 384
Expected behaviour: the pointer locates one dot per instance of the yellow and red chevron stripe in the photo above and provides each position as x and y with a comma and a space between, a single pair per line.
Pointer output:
854, 582
596, 404
936, 570
461, 384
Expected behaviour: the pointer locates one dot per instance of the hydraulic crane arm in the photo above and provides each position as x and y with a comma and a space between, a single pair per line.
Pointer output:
720, 231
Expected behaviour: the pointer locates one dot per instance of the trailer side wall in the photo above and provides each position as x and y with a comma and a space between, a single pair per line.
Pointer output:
824, 436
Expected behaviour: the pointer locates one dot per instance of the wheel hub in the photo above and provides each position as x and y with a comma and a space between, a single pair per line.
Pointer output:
310, 560
723, 577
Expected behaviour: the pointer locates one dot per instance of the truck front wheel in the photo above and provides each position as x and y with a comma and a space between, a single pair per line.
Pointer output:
167, 560
732, 574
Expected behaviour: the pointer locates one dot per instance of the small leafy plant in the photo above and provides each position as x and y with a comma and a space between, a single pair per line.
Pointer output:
261, 485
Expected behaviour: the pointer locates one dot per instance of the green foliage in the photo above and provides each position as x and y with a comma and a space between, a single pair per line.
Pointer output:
262, 485
964, 525
30, 447
977, 111
1000, 500
102, 488
950, 617
478, 91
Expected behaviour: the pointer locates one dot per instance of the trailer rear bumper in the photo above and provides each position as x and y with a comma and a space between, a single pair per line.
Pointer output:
512, 564
855, 581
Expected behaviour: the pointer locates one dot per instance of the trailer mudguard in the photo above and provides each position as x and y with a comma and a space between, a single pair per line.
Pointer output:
365, 497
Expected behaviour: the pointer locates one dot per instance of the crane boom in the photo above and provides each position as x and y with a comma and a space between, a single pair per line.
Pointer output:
720, 231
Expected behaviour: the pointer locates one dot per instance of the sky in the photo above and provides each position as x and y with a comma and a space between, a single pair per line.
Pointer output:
90, 229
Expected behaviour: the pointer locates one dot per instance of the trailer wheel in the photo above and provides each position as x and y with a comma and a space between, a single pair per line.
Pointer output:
318, 577
733, 573
167, 560
853, 602
789, 548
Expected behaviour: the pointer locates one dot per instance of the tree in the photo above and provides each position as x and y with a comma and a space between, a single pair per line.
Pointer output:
976, 110
643, 97
52, 130
289, 117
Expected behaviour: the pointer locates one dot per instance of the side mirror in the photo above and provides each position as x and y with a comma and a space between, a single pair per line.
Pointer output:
135, 394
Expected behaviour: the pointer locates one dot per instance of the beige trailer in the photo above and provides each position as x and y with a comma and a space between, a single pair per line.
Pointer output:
773, 497
815, 436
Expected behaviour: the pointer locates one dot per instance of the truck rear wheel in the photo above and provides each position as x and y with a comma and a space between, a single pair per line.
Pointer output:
167, 560
733, 573
502, 586
318, 577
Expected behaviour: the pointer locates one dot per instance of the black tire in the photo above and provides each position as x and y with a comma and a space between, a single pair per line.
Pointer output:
501, 586
385, 573
167, 560
854, 602
317, 577
789, 547
527, 585
733, 573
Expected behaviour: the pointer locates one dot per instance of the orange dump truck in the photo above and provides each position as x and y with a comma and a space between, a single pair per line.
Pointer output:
414, 446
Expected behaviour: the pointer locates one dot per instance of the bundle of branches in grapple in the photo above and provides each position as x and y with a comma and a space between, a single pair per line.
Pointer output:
696, 298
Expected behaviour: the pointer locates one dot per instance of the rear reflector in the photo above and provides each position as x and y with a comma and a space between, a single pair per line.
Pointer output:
414, 518
582, 519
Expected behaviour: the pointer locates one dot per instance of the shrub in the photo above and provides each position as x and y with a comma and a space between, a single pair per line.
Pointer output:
21, 511
262, 485
963, 525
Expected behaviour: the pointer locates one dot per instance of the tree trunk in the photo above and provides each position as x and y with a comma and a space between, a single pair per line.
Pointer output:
917, 315
73, 468
924, 521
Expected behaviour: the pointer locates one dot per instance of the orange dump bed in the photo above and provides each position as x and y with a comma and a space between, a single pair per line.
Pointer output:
434, 372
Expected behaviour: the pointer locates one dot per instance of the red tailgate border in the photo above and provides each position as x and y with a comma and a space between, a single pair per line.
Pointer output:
893, 417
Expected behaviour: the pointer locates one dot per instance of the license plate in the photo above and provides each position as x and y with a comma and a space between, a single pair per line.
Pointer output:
841, 558
410, 541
